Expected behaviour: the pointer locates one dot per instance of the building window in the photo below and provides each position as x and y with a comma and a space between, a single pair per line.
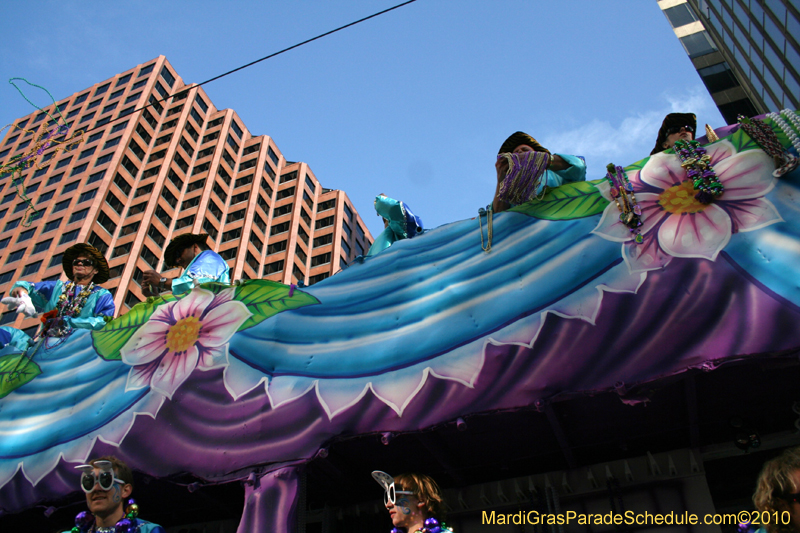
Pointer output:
324, 206
50, 226
238, 215
230, 253
31, 268
54, 179
256, 241
272, 268
88, 195
201, 103
285, 193
110, 107
209, 228
185, 221
283, 210
697, 44
117, 127
106, 223
131, 299
79, 215
25, 235
15, 256
168, 77
149, 257
156, 235
345, 248
124, 79
300, 254
289, 176
169, 197
323, 240
279, 228
79, 169
122, 249
241, 197
128, 229
316, 279
324, 222
55, 260
97, 242
679, 15
115, 202
102, 160
137, 150
60, 206
97, 176
272, 155
259, 223
232, 234
144, 189
102, 89
321, 259
276, 247
82, 98
718, 77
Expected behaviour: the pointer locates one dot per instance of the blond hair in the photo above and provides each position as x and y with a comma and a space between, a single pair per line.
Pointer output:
775, 482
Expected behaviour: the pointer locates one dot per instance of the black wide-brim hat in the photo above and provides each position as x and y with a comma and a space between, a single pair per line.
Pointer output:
180, 243
518, 138
91, 252
674, 120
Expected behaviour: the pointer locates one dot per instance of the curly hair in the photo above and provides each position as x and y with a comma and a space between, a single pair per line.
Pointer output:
426, 490
774, 482
121, 470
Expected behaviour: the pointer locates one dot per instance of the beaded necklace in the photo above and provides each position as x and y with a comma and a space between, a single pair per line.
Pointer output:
431, 525
698, 169
630, 213
763, 135
69, 305
85, 522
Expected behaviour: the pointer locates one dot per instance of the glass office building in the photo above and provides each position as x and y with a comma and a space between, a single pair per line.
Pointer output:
746, 51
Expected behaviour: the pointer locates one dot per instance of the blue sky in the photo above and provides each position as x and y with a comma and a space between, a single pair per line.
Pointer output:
413, 104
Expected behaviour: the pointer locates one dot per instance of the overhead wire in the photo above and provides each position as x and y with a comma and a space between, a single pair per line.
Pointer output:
237, 69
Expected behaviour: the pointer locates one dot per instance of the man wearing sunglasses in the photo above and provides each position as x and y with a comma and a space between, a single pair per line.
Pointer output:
78, 303
676, 127
108, 484
778, 492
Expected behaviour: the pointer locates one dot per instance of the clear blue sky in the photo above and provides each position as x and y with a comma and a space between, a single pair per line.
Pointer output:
413, 104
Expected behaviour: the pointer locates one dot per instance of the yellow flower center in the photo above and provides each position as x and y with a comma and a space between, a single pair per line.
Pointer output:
680, 199
183, 334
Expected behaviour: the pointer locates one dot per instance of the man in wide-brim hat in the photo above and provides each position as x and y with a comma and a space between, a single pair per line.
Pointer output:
676, 127
201, 265
78, 303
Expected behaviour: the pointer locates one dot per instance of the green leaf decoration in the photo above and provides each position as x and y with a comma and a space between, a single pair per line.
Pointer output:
782, 137
741, 141
108, 341
266, 298
215, 287
572, 200
15, 371
639, 165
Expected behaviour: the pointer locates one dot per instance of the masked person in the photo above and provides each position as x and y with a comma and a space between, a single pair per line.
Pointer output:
676, 127
200, 265
414, 502
526, 169
108, 484
398, 222
79, 303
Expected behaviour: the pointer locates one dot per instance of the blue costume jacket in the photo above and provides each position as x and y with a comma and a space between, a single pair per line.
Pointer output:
206, 266
44, 296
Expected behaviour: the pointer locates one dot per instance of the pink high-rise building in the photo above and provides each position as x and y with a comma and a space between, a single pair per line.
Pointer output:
148, 170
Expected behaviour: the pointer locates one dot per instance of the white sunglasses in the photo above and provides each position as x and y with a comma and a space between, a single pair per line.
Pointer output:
105, 478
387, 482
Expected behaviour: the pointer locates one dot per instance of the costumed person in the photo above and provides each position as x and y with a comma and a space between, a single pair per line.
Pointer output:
80, 303
398, 222
526, 169
200, 265
414, 502
676, 127
778, 493
108, 484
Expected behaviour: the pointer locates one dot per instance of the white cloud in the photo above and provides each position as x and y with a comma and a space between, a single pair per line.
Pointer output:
634, 136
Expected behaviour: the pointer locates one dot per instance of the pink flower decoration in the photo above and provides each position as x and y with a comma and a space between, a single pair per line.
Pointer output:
675, 224
190, 333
